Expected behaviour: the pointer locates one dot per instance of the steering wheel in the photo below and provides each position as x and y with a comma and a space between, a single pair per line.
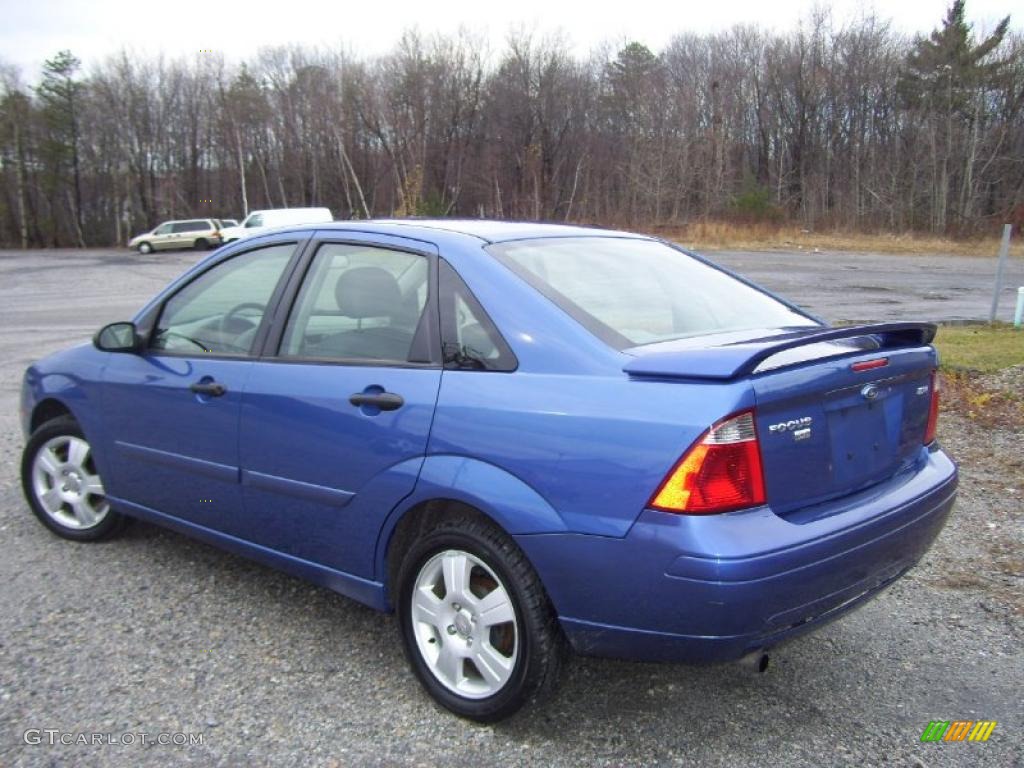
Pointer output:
224, 327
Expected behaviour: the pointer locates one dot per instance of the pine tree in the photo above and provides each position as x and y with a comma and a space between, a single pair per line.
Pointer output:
947, 67
59, 96
946, 79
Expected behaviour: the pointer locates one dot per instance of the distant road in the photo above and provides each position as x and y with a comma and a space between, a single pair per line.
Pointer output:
871, 286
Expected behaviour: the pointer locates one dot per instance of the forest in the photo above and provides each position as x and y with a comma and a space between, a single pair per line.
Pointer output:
852, 126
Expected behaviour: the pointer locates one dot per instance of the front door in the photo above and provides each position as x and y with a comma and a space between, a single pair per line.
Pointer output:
163, 237
172, 411
335, 420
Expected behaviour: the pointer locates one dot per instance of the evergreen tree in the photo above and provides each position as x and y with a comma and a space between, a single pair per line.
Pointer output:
59, 97
946, 68
947, 78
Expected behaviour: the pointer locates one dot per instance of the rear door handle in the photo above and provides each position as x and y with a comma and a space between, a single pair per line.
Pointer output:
386, 401
209, 388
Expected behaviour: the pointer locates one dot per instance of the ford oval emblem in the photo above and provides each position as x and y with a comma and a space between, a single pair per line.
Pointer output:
870, 392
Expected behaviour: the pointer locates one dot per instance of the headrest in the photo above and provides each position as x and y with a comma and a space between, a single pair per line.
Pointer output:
367, 292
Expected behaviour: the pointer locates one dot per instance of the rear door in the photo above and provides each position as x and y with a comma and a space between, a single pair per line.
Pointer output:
336, 414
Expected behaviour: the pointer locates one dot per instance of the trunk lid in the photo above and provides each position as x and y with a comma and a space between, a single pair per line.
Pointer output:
827, 430
837, 410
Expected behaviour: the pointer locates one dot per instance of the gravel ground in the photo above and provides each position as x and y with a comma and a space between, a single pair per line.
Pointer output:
156, 633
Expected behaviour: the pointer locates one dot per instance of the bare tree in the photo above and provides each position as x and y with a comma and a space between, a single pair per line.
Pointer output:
851, 126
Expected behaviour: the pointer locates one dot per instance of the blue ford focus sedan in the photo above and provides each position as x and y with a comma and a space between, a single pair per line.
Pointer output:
521, 438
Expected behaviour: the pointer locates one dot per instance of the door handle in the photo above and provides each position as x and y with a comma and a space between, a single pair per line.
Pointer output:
209, 388
386, 401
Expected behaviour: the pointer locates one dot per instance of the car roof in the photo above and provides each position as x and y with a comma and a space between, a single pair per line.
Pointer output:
489, 231
289, 210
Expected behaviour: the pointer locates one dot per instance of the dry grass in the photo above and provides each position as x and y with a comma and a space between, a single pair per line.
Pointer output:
966, 394
725, 235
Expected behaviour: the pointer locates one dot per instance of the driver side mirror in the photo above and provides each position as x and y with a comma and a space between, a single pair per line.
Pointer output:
118, 337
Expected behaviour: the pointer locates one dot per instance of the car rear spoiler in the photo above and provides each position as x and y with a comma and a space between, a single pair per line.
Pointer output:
730, 361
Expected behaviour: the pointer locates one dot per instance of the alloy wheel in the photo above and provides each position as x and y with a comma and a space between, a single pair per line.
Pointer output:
66, 484
465, 624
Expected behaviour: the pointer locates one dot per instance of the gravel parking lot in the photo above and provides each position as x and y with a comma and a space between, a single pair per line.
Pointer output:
154, 633
882, 287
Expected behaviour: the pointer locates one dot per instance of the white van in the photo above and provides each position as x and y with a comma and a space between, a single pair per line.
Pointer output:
258, 221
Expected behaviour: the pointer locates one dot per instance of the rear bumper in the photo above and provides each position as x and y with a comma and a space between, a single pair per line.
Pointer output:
707, 589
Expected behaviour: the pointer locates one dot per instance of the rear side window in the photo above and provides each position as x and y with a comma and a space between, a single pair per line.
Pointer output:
632, 292
470, 340
192, 226
359, 303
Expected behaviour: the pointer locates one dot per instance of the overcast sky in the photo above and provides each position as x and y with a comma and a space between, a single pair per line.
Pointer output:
33, 30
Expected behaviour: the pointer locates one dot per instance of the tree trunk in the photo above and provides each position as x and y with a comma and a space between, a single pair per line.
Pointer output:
355, 178
241, 172
19, 180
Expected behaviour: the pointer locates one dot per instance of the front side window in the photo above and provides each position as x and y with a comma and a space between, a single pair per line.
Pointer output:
256, 220
632, 292
163, 229
221, 310
358, 303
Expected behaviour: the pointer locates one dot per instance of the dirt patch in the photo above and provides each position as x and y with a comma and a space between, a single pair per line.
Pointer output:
981, 426
993, 401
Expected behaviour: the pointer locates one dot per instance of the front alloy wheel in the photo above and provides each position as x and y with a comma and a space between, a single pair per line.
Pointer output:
477, 625
62, 484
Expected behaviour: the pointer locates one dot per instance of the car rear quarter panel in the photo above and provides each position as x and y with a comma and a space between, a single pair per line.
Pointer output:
591, 442
594, 448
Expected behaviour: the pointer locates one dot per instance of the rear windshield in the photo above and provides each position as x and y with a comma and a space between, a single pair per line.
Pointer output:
633, 292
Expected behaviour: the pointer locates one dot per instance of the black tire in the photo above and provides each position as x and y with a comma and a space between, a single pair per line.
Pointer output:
144, 247
541, 645
202, 244
111, 522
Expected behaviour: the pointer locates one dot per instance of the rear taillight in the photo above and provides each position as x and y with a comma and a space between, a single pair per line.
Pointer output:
721, 471
933, 411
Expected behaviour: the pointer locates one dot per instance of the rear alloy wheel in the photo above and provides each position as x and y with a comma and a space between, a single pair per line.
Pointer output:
476, 623
466, 630
63, 486
145, 248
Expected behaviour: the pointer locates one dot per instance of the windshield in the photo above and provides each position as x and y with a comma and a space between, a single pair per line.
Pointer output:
632, 292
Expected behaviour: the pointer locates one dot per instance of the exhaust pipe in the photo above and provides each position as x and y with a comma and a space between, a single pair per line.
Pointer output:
756, 660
